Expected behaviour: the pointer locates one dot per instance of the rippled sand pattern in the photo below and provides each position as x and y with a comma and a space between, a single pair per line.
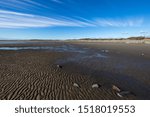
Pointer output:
34, 75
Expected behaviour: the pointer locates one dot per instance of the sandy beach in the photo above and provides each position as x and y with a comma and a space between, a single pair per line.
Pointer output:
29, 71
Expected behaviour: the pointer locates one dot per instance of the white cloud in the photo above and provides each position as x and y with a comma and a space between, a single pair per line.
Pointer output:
9, 19
57, 1
20, 4
31, 2
132, 22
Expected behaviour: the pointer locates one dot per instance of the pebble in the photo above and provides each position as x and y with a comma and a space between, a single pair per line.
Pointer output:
142, 54
76, 85
95, 86
59, 66
106, 51
114, 87
123, 93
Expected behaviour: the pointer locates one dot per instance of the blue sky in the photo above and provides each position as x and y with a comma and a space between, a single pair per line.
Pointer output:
72, 19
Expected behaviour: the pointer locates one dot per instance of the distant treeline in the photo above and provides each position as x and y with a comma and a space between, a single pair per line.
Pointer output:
130, 38
136, 38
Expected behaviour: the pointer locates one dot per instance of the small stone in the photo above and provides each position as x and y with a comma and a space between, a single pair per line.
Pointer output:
59, 66
142, 54
118, 94
123, 93
76, 85
95, 86
103, 50
106, 51
116, 88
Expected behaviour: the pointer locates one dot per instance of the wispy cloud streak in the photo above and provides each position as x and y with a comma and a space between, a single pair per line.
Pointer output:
132, 22
9, 19
21, 4
57, 1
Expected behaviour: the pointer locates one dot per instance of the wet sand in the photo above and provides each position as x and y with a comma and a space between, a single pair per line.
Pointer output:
30, 72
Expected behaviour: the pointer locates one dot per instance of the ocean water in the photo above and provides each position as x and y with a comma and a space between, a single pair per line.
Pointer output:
12, 42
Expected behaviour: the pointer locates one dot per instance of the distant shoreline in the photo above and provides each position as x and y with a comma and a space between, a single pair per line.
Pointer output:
144, 41
137, 40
